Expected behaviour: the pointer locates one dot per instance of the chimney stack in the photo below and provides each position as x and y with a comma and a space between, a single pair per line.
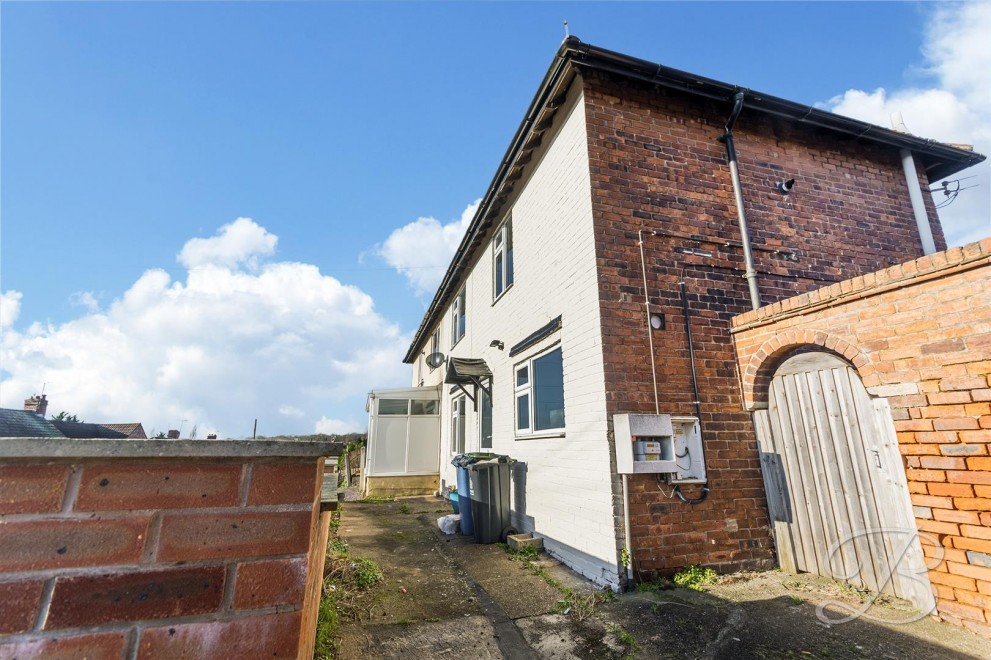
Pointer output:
173, 434
37, 405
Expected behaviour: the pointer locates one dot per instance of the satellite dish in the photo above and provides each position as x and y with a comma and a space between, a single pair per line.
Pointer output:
434, 360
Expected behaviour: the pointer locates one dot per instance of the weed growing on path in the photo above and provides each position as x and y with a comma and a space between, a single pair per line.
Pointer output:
694, 577
625, 638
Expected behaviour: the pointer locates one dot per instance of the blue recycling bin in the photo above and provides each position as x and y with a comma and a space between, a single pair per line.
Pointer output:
464, 502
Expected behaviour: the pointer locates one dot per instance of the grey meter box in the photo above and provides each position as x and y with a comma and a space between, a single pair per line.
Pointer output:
659, 444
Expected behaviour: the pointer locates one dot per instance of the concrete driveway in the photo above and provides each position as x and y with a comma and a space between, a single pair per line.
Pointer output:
447, 597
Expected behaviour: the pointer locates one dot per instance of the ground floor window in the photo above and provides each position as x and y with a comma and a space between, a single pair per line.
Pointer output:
458, 425
485, 421
539, 392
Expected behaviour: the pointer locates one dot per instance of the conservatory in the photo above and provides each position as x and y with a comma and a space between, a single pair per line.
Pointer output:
403, 455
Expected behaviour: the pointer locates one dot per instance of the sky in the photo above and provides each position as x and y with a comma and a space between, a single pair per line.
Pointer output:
212, 213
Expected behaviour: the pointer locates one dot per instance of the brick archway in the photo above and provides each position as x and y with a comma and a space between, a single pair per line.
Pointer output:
756, 376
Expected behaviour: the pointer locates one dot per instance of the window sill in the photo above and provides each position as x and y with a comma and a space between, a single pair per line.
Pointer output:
541, 436
502, 295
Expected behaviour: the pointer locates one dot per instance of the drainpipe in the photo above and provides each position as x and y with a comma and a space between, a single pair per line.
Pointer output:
748, 257
914, 190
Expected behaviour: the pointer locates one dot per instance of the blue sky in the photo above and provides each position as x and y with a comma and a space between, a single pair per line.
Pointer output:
129, 129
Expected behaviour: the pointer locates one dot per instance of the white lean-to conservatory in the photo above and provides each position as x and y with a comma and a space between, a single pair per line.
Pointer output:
403, 452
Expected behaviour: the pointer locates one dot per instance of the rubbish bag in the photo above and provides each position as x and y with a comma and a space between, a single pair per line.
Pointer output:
449, 524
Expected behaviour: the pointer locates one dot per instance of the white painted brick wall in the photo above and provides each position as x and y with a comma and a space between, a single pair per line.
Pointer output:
568, 493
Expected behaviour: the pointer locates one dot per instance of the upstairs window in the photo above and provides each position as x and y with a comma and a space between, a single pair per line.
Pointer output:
502, 258
539, 392
458, 318
434, 345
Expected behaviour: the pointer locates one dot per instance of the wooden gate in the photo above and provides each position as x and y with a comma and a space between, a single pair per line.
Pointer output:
835, 484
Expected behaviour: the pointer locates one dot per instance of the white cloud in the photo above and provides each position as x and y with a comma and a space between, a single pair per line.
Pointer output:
225, 346
86, 300
241, 242
423, 249
957, 110
10, 308
330, 426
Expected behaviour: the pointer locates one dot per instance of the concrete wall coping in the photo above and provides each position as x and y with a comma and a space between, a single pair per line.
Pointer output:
135, 448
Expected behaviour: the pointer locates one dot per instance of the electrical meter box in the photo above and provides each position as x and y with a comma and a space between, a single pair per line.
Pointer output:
659, 444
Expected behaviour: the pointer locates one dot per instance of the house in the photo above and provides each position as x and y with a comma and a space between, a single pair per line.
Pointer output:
637, 210
25, 424
31, 423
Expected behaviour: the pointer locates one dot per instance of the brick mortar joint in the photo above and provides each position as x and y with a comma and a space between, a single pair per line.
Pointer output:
141, 625
139, 568
865, 291
116, 515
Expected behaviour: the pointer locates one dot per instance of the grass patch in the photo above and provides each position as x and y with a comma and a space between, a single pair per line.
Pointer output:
377, 499
325, 646
345, 578
404, 508
661, 584
694, 577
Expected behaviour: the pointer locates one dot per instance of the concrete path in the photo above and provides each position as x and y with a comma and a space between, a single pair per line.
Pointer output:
447, 597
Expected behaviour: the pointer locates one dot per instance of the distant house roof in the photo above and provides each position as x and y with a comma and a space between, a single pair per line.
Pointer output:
24, 424
86, 430
133, 430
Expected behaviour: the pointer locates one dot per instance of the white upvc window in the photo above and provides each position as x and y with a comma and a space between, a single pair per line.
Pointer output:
458, 318
435, 344
458, 425
502, 258
539, 392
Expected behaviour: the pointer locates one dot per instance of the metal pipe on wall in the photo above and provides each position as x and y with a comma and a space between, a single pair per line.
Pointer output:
650, 335
918, 206
741, 215
914, 189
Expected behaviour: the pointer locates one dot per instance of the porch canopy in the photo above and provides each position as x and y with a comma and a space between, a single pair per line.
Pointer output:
469, 371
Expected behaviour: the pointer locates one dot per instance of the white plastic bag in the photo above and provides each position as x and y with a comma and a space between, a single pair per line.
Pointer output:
449, 524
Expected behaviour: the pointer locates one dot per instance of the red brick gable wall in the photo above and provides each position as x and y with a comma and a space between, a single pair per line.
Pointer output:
656, 165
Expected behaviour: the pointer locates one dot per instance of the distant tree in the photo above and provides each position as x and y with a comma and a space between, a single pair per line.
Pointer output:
66, 417
159, 436
193, 433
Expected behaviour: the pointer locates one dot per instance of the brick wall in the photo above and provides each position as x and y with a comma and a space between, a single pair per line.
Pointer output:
919, 334
656, 165
133, 557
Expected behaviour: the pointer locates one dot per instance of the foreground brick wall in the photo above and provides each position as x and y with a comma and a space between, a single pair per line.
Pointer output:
155, 558
656, 165
920, 335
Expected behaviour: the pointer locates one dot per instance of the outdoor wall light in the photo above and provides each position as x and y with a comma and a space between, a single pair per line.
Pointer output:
784, 187
657, 321
495, 343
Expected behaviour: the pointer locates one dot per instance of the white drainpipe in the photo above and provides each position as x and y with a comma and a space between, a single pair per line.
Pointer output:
914, 190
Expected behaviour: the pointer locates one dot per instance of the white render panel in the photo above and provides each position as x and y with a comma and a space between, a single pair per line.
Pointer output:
568, 496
